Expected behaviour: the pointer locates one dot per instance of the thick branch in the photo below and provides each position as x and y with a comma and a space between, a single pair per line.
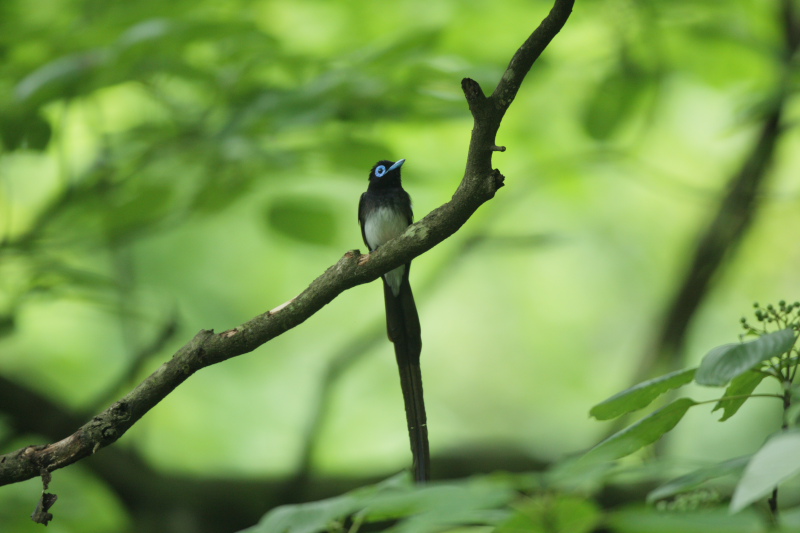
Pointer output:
207, 348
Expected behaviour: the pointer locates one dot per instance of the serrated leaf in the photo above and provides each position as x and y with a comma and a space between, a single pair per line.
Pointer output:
692, 480
645, 431
724, 363
641, 395
737, 393
776, 461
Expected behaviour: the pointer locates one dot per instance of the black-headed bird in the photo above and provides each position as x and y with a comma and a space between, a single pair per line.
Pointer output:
384, 212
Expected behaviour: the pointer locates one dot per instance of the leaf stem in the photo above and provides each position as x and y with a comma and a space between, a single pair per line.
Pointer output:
742, 396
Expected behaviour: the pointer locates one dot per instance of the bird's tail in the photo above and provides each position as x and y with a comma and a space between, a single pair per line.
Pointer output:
402, 324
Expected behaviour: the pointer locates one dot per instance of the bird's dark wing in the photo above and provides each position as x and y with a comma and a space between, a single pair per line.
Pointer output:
361, 215
408, 211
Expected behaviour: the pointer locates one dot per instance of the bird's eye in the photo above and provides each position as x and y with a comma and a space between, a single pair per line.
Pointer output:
380, 170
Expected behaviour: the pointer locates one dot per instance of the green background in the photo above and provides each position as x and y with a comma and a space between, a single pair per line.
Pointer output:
173, 166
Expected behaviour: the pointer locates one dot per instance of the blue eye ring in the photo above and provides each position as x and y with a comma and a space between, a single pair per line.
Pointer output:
380, 170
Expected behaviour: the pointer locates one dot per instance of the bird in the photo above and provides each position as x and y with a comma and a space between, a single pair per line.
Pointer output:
384, 212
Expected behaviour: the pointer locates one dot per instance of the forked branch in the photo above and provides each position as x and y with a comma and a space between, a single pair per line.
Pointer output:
479, 184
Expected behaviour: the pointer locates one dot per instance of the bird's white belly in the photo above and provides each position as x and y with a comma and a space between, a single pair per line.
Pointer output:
383, 225
380, 227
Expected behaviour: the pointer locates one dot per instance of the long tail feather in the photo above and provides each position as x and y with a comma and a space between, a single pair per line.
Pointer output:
402, 324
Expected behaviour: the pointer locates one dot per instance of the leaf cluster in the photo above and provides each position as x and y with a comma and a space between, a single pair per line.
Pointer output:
529, 503
563, 499
740, 367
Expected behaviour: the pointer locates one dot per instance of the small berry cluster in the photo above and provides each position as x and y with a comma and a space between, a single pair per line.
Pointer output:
785, 315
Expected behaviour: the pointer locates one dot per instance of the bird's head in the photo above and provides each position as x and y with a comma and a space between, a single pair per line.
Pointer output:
385, 173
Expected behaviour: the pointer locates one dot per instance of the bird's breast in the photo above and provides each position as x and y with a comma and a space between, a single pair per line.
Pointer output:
382, 225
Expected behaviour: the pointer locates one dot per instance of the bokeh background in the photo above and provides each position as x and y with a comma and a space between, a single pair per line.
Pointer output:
173, 166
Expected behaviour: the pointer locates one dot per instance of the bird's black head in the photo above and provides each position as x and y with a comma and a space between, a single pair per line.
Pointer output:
386, 173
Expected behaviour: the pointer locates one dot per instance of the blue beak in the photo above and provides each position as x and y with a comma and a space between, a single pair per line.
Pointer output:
396, 165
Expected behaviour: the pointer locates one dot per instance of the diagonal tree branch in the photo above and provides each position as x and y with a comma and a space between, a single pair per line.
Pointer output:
480, 183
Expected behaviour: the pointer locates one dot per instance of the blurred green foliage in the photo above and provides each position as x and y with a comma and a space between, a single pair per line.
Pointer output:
203, 160
771, 354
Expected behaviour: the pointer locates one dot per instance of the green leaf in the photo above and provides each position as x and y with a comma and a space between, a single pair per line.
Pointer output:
37, 132
775, 462
724, 363
739, 390
650, 520
140, 208
789, 520
792, 414
60, 78
641, 395
421, 508
613, 101
7, 324
313, 517
306, 219
553, 512
644, 432
434, 507
348, 154
22, 128
692, 480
